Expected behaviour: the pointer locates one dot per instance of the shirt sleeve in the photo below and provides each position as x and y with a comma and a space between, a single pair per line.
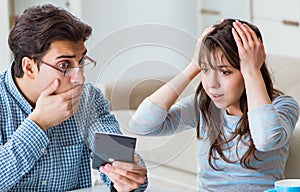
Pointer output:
150, 119
272, 125
20, 153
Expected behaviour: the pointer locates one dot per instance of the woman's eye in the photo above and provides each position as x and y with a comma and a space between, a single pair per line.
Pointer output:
63, 65
205, 70
225, 72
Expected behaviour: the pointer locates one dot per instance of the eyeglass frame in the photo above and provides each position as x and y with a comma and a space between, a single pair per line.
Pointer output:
65, 71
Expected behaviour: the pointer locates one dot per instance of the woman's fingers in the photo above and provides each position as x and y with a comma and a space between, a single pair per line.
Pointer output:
237, 38
240, 31
251, 33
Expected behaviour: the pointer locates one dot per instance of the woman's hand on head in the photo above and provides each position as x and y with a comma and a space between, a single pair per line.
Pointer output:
251, 49
195, 59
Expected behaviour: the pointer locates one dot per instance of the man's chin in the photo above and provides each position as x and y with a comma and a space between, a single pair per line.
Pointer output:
59, 91
65, 89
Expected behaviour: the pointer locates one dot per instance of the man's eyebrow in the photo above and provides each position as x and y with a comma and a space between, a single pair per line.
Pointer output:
69, 56
65, 56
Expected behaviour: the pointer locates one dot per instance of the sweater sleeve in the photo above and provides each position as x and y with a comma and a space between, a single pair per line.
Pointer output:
272, 125
150, 119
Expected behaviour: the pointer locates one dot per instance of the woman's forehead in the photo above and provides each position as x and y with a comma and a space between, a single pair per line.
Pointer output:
215, 58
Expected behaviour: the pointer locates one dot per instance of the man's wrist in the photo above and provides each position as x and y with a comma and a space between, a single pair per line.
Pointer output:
113, 189
34, 119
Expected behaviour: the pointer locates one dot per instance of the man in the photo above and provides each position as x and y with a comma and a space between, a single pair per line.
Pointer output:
48, 114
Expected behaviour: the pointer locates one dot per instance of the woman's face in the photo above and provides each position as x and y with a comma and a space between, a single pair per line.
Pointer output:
223, 83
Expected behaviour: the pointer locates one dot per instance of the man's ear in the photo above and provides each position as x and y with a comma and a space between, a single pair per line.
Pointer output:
29, 67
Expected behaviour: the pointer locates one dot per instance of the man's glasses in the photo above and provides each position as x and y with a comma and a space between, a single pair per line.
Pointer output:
68, 69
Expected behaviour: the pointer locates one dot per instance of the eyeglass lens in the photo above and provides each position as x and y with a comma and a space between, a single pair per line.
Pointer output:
87, 65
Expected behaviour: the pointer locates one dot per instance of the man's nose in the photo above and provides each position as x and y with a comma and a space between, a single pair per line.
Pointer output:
77, 77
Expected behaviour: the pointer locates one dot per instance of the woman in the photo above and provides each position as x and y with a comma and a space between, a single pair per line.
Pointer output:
243, 124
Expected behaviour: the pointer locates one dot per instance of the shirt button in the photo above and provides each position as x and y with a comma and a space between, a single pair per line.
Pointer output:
44, 151
44, 182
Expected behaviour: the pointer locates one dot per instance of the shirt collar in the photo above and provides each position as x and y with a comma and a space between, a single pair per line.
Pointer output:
14, 91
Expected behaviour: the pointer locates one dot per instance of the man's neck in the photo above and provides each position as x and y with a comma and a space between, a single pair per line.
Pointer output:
24, 86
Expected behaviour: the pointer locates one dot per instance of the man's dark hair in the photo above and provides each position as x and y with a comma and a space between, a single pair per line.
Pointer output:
39, 26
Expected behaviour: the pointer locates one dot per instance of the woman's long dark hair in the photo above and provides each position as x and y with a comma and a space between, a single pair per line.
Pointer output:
221, 38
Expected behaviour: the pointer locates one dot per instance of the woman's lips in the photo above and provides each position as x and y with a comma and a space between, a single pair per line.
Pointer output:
216, 97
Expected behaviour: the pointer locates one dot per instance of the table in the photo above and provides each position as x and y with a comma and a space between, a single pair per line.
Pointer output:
102, 188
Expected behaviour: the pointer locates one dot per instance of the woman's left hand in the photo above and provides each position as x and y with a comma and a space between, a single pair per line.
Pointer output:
251, 49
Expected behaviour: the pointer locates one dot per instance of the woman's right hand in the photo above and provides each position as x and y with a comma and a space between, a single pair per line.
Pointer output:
166, 95
195, 59
194, 66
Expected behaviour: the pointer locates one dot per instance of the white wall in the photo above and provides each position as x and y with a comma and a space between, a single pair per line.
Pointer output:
74, 6
139, 38
4, 23
133, 38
